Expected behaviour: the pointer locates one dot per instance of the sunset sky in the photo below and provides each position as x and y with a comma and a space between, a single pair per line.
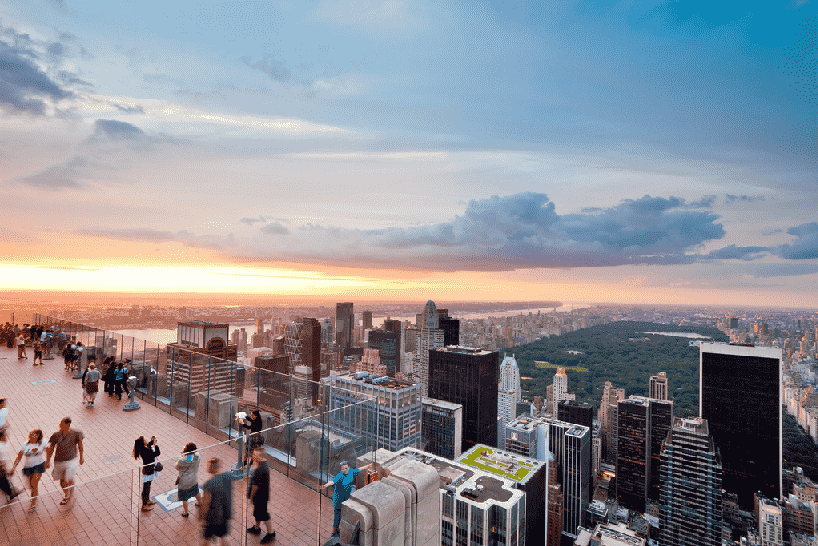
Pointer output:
597, 151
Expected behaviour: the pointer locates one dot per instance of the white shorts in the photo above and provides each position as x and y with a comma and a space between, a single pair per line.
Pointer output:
66, 470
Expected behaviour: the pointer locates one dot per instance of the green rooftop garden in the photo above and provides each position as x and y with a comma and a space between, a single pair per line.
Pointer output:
482, 458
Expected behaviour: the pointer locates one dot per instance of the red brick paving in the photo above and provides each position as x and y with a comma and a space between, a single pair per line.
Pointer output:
106, 505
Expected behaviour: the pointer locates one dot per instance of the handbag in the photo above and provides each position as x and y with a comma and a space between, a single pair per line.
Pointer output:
158, 466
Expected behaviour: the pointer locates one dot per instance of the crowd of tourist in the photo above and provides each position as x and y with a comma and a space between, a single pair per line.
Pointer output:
63, 451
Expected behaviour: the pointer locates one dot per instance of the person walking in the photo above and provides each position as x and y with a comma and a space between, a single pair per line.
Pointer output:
147, 451
66, 447
120, 377
68, 355
258, 491
217, 503
188, 481
91, 382
34, 467
5, 471
344, 483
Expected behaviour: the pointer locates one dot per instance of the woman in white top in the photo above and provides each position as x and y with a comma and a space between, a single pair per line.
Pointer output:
34, 467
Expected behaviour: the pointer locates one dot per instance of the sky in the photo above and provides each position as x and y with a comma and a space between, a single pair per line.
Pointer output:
655, 151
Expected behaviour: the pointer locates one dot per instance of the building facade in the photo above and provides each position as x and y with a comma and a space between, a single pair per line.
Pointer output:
690, 504
740, 397
468, 376
659, 386
442, 429
388, 345
344, 326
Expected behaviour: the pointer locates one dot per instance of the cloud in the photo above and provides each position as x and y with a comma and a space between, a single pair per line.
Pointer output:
304, 77
733, 252
805, 245
147, 235
729, 198
110, 128
511, 232
24, 86
129, 109
274, 228
68, 175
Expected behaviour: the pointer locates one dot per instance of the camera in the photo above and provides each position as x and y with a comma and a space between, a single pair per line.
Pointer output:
241, 416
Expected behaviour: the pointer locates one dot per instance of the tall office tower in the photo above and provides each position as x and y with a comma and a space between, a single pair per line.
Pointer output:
409, 340
571, 411
430, 338
661, 422
658, 386
733, 322
560, 391
632, 466
508, 395
690, 506
344, 325
607, 420
395, 327
385, 411
468, 376
441, 432
740, 396
388, 344
451, 330
367, 320
327, 332
643, 424
259, 326
570, 445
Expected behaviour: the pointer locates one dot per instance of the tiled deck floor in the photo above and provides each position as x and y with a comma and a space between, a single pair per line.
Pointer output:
105, 510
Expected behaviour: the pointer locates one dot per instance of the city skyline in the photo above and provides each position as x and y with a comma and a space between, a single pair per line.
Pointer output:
603, 152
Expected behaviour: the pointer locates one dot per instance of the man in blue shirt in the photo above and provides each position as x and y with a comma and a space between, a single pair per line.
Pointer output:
344, 483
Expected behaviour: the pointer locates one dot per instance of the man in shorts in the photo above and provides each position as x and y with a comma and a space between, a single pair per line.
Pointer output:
216, 503
258, 491
65, 445
91, 383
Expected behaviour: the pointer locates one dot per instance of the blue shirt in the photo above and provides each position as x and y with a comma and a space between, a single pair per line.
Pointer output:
343, 486
120, 374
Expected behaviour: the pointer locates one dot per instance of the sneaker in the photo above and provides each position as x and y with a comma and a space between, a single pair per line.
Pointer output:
254, 530
268, 538
147, 508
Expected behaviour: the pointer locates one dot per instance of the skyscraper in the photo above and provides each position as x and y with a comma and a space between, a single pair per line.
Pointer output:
366, 320
607, 420
571, 411
508, 395
344, 324
659, 386
690, 505
740, 397
451, 330
633, 425
430, 337
442, 430
559, 391
642, 424
469, 377
389, 347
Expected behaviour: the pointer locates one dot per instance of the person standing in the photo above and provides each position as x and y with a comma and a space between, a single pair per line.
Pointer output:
254, 423
21, 346
38, 352
217, 503
188, 482
91, 381
147, 451
120, 377
344, 483
34, 467
66, 447
4, 415
258, 491
108, 377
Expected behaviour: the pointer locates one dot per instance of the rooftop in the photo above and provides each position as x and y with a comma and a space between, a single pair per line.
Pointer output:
108, 483
503, 463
